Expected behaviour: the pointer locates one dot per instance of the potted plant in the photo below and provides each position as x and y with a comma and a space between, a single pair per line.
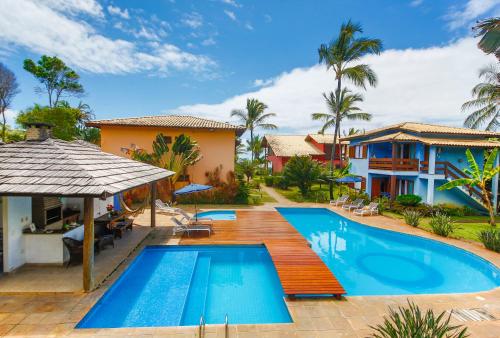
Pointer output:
109, 208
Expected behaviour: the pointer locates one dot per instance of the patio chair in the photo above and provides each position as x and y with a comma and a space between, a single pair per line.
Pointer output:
356, 204
121, 226
192, 218
340, 201
163, 207
370, 209
188, 227
75, 249
106, 236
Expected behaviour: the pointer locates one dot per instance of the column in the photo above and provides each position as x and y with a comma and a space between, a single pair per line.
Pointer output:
88, 244
153, 204
369, 185
430, 191
393, 184
432, 160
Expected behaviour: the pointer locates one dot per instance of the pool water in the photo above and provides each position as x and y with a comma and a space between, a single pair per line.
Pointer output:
371, 261
218, 215
175, 285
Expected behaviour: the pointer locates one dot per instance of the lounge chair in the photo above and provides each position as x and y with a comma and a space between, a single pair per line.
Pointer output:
370, 209
340, 201
188, 227
356, 204
193, 219
163, 207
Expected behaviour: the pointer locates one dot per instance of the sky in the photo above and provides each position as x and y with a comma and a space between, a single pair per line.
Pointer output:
205, 58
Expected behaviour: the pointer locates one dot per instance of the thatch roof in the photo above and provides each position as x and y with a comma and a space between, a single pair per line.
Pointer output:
404, 137
290, 145
168, 121
56, 167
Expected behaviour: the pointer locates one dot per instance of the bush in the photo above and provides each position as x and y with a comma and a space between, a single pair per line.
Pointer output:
491, 239
441, 224
354, 195
280, 182
302, 171
455, 210
411, 322
409, 200
412, 217
268, 181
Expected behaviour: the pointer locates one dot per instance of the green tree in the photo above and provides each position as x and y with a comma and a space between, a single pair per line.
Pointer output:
340, 107
302, 171
340, 55
14, 135
63, 119
485, 105
8, 89
489, 31
478, 178
253, 117
57, 79
256, 148
247, 168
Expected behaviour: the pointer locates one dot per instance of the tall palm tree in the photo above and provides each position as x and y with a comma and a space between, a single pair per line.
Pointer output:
254, 117
489, 30
485, 105
340, 107
340, 54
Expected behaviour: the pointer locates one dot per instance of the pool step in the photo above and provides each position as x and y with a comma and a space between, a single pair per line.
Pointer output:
196, 300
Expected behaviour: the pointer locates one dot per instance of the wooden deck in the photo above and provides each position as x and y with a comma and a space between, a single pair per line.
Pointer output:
299, 268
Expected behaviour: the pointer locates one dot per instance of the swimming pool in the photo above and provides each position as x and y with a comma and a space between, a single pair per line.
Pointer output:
371, 261
218, 215
175, 285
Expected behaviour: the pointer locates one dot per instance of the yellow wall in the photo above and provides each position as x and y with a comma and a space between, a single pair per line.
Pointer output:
216, 147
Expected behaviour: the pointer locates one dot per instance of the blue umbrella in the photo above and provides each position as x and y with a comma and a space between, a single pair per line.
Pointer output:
349, 179
192, 188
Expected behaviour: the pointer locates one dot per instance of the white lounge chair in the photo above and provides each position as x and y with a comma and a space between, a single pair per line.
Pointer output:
370, 209
340, 201
356, 204
163, 207
192, 218
188, 227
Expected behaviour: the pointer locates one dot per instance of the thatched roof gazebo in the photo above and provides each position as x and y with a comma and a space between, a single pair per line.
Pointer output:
45, 166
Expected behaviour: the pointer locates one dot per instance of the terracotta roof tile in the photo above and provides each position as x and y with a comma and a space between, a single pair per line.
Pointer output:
290, 145
404, 137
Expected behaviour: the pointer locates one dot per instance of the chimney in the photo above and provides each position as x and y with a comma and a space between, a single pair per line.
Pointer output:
38, 131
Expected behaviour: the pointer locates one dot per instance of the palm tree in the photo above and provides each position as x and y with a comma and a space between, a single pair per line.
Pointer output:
340, 107
485, 104
340, 54
489, 30
352, 131
478, 178
254, 117
255, 146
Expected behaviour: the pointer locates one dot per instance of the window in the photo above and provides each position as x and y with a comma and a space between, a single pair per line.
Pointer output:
358, 151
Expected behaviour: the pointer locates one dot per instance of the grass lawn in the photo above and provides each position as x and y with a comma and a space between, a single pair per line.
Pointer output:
260, 197
318, 194
466, 227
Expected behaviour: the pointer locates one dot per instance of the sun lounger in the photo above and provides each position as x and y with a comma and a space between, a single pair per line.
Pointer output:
188, 227
192, 218
340, 201
370, 209
356, 204
163, 207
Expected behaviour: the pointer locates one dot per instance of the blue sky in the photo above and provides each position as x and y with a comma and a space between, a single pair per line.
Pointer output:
154, 57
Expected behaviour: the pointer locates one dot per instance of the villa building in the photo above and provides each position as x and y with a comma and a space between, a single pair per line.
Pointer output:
216, 140
280, 148
416, 158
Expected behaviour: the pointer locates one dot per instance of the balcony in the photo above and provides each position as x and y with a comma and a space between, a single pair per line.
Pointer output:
394, 164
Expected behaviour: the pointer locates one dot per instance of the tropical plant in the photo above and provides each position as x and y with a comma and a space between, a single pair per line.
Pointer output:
57, 79
8, 89
340, 55
183, 153
409, 200
341, 106
489, 31
491, 239
485, 108
302, 171
441, 224
255, 147
14, 135
253, 117
412, 217
247, 168
89, 134
352, 131
479, 178
406, 322
239, 148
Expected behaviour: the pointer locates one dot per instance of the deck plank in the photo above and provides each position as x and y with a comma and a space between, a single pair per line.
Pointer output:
299, 268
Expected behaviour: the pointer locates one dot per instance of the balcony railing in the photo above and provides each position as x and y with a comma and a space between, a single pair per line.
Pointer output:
394, 164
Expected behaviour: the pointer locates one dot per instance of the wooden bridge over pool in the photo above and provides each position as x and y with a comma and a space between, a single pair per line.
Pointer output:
299, 268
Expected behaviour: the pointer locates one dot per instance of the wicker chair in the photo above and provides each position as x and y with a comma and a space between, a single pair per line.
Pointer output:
75, 249
106, 236
121, 226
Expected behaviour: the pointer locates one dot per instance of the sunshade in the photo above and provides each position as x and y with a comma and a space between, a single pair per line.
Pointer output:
193, 188
349, 179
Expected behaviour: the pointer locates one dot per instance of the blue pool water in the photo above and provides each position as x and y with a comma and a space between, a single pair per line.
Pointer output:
371, 261
174, 285
219, 215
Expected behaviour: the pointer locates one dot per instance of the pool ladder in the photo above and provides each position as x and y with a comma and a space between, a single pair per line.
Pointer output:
201, 327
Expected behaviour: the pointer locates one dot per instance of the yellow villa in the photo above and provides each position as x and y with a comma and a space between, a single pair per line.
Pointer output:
216, 139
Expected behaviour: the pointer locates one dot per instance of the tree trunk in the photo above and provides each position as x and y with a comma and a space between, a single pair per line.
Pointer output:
251, 144
488, 205
4, 126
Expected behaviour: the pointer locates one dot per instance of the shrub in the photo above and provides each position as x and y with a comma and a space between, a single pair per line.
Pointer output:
455, 210
242, 193
441, 224
412, 217
302, 171
353, 195
491, 239
409, 200
280, 182
268, 181
383, 204
411, 322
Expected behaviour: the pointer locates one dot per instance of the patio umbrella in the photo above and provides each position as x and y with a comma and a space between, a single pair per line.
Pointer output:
349, 179
190, 189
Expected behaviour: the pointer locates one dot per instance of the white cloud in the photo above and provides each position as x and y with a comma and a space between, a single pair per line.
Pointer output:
115, 10
10, 116
208, 42
427, 85
37, 27
463, 15
88, 7
263, 83
268, 18
416, 3
231, 3
230, 14
249, 26
193, 20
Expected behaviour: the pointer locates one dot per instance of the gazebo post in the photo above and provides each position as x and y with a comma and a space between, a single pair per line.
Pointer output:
153, 204
88, 243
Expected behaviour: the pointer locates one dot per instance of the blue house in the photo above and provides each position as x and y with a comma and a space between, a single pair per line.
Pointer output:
417, 158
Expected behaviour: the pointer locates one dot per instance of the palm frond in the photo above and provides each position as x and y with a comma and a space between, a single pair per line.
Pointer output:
457, 183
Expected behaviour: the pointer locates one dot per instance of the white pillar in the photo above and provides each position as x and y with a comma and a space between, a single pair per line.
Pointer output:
494, 187
432, 160
369, 185
430, 191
